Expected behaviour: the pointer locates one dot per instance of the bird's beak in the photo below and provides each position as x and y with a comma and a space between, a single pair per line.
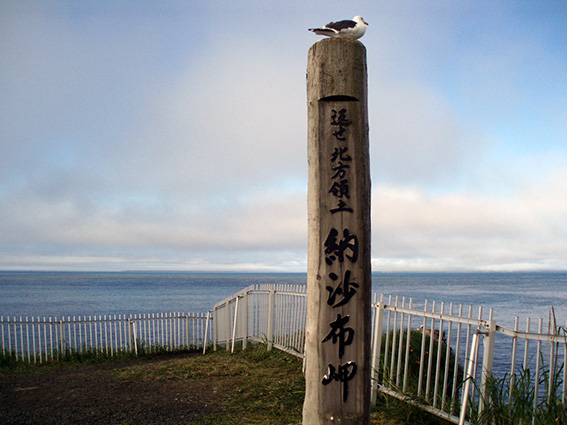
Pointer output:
365, 22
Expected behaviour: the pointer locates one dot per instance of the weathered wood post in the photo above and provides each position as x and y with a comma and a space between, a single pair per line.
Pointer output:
338, 328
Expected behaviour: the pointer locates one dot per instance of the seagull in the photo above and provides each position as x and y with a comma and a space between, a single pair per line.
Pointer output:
343, 29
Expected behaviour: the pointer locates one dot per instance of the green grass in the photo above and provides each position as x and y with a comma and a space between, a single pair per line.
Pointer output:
512, 399
390, 410
414, 361
254, 386
267, 387
12, 360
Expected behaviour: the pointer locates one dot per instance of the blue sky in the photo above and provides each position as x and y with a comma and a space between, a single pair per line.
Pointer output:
171, 135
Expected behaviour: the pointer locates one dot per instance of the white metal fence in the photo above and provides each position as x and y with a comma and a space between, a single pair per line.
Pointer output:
446, 372
274, 314
450, 361
439, 356
40, 339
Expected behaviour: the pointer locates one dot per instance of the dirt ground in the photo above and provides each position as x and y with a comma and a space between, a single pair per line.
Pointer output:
252, 387
100, 394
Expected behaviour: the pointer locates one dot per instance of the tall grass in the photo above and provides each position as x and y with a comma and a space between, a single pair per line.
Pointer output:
526, 397
523, 398
511, 399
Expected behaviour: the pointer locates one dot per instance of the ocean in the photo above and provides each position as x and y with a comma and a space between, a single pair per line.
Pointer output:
43, 294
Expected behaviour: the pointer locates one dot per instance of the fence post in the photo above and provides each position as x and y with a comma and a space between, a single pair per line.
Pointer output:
215, 328
227, 326
234, 324
61, 337
487, 361
376, 349
271, 318
471, 365
2, 326
129, 334
132, 332
245, 320
206, 331
134, 337
188, 331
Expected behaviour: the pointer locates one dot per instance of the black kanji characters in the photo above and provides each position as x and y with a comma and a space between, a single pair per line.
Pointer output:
337, 249
345, 373
339, 119
345, 289
340, 333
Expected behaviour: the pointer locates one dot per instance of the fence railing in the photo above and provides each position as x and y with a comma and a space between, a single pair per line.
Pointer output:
441, 357
41, 339
274, 314
431, 356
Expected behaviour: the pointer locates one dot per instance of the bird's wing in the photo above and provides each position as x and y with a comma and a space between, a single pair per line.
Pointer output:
341, 25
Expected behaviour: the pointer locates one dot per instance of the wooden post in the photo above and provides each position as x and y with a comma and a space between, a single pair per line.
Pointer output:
339, 272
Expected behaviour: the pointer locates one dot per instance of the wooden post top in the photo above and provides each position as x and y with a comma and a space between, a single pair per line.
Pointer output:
336, 67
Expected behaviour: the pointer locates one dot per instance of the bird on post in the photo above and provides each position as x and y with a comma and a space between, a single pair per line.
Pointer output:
343, 29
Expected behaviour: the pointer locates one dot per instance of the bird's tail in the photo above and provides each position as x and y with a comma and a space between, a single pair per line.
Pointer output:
322, 31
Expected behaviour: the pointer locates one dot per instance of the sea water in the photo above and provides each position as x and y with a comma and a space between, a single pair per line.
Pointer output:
59, 294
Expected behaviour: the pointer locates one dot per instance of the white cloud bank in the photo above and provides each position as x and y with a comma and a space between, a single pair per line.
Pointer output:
467, 231
129, 142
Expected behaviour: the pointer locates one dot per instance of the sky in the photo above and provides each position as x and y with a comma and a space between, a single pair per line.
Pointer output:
172, 135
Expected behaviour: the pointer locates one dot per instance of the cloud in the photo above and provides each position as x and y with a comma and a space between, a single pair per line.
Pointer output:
132, 139
233, 123
123, 158
414, 230
415, 136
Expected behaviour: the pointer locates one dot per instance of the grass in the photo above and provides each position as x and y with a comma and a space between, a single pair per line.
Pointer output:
254, 386
89, 355
390, 411
429, 360
512, 400
257, 386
